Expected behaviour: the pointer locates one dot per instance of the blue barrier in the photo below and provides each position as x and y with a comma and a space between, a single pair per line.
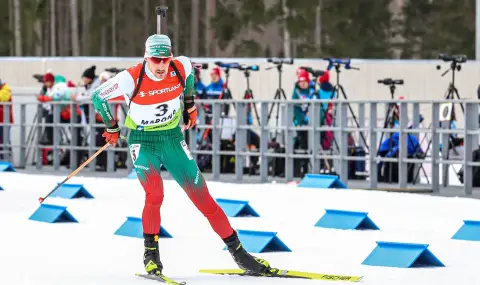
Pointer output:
52, 214
237, 208
346, 220
71, 191
403, 255
258, 242
469, 231
6, 166
132, 227
132, 175
321, 181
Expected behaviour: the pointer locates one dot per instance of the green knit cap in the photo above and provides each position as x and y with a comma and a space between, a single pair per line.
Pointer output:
158, 46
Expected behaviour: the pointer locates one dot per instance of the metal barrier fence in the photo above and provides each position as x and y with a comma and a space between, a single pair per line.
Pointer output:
22, 140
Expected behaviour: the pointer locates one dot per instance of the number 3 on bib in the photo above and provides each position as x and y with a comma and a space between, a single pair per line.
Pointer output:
162, 110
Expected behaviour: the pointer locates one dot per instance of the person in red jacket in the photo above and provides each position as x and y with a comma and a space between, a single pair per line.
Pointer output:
5, 96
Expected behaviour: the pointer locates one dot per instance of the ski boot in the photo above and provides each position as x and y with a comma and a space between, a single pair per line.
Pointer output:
244, 260
151, 257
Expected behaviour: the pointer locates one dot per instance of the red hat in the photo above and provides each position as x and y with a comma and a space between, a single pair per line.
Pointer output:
303, 76
48, 77
216, 71
325, 77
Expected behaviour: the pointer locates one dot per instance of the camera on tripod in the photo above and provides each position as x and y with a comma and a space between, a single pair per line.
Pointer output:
389, 81
197, 65
314, 72
455, 60
249, 67
337, 62
276, 60
114, 70
458, 58
227, 65
38, 77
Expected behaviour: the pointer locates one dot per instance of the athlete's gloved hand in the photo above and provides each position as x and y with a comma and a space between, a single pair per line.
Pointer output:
190, 117
112, 134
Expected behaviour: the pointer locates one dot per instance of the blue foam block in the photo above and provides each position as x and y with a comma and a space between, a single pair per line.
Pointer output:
258, 242
469, 231
321, 181
132, 175
237, 208
403, 255
52, 214
346, 220
1, 188
132, 227
6, 166
71, 191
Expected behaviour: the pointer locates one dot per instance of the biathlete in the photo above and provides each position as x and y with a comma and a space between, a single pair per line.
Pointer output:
156, 91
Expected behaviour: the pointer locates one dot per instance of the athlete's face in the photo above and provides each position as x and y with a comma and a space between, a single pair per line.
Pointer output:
159, 66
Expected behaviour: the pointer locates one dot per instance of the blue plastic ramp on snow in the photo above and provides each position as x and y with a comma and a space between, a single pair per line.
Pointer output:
6, 167
237, 208
346, 220
469, 231
132, 227
321, 181
259, 241
71, 191
52, 214
402, 255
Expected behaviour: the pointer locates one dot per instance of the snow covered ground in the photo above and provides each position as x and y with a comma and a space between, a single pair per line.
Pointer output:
89, 253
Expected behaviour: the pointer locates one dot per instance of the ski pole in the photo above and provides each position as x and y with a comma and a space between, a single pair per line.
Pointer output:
41, 199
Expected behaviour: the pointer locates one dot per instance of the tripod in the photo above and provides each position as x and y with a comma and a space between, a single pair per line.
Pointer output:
450, 94
339, 88
248, 92
390, 118
279, 94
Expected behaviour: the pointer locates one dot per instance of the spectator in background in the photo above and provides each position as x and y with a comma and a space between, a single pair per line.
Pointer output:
215, 88
326, 92
5, 96
90, 82
302, 91
200, 88
311, 83
44, 97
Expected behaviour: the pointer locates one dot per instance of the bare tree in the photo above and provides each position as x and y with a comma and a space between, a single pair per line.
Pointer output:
194, 29
53, 39
74, 23
318, 26
176, 26
286, 34
146, 18
17, 27
207, 27
86, 17
114, 29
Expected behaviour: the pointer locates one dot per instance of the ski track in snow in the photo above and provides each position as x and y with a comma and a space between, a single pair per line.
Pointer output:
89, 253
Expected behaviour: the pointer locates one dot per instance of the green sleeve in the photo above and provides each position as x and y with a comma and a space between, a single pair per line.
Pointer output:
102, 108
189, 86
118, 86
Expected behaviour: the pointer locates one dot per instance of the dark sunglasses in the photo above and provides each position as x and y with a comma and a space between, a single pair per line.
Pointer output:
158, 60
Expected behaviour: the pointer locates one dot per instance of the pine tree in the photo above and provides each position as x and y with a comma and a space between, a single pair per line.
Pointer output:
357, 29
440, 26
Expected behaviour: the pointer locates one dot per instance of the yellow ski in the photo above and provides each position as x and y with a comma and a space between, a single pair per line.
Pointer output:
279, 273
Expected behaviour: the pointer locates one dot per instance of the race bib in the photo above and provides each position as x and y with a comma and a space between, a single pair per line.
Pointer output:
155, 114
134, 151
